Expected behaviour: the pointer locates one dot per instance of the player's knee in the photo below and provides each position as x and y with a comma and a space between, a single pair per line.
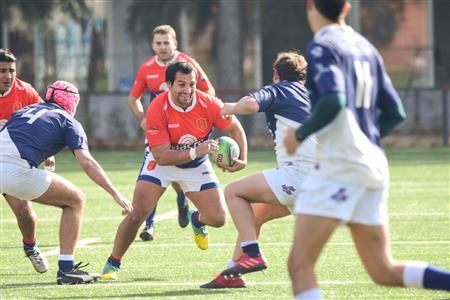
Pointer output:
137, 216
230, 192
78, 199
218, 219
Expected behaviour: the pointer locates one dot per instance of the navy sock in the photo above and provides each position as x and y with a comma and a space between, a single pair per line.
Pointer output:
151, 218
114, 261
181, 200
28, 244
252, 250
436, 279
65, 265
196, 220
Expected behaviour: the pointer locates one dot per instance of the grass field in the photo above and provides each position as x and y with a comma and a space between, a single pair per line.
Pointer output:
172, 267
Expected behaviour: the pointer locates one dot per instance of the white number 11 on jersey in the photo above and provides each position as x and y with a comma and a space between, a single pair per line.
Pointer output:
363, 84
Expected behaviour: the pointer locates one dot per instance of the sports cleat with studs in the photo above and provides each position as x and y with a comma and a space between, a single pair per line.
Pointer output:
109, 272
76, 276
39, 262
200, 233
245, 264
220, 282
147, 233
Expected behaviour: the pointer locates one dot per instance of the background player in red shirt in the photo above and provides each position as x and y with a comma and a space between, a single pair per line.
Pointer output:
15, 94
179, 127
151, 77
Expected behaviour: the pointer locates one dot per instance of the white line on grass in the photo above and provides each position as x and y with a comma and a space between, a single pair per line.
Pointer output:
87, 241
81, 243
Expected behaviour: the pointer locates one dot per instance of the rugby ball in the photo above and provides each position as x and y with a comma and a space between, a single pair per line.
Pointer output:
227, 151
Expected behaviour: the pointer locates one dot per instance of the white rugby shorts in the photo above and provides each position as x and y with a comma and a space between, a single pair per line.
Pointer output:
285, 182
17, 177
195, 179
352, 204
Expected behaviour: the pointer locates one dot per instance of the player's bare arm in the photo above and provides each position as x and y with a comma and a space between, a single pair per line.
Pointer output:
165, 156
93, 169
245, 106
235, 131
135, 105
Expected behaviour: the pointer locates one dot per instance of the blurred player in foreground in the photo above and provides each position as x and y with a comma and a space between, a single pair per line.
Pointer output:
15, 94
354, 106
256, 199
179, 125
151, 77
39, 131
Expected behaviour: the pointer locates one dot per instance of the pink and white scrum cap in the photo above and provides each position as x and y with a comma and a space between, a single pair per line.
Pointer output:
65, 94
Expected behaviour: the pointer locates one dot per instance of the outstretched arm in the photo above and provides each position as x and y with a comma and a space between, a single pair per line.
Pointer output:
245, 106
93, 169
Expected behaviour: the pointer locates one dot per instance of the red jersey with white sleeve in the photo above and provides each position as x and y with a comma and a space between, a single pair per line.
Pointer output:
151, 76
20, 95
183, 129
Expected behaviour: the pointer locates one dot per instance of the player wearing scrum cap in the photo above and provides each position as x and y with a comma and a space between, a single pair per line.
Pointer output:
39, 131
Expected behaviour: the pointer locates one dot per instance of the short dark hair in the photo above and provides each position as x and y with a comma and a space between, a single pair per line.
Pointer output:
180, 66
330, 9
291, 66
6, 55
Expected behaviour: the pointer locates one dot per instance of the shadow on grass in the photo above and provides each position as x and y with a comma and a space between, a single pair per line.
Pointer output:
183, 293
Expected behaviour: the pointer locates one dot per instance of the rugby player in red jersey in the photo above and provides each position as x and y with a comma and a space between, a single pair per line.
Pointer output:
15, 94
179, 125
151, 78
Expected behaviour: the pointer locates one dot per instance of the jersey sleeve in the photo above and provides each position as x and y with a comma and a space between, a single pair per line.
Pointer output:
139, 86
324, 71
75, 135
33, 96
219, 121
156, 130
265, 97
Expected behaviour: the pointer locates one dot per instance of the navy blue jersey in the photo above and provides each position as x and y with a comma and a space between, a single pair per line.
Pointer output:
283, 99
285, 104
42, 130
342, 60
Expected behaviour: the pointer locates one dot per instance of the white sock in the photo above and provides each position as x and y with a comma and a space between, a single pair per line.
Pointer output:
230, 264
312, 294
246, 243
413, 274
66, 257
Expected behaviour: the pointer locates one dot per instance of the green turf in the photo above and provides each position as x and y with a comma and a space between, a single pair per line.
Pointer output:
172, 267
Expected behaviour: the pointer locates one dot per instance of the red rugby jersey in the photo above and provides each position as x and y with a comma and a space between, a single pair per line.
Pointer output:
151, 76
183, 129
20, 95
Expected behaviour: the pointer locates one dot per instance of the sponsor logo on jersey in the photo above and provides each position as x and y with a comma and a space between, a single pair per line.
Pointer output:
152, 76
176, 125
202, 124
